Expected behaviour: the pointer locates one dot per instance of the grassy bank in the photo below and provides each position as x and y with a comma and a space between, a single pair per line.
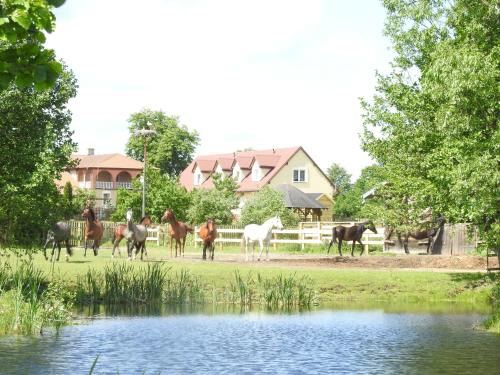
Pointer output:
181, 281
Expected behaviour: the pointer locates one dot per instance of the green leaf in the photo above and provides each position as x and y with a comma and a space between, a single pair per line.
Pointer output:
40, 73
24, 80
3, 20
5, 79
21, 17
56, 3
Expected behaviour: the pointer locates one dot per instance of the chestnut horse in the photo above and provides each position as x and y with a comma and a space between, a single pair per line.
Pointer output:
178, 231
353, 234
93, 229
120, 230
208, 233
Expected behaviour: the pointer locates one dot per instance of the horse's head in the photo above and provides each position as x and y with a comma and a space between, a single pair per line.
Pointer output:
277, 223
167, 215
88, 213
369, 225
129, 215
146, 221
210, 224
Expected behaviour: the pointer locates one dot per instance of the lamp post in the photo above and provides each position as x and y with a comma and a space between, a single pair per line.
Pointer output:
144, 133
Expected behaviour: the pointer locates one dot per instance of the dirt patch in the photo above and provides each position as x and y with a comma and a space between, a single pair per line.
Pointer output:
420, 262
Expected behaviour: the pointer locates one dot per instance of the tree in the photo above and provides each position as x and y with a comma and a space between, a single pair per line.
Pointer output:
23, 58
215, 203
349, 203
339, 177
265, 204
35, 146
171, 149
163, 192
433, 124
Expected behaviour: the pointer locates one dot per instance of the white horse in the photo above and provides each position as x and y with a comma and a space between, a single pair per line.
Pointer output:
261, 233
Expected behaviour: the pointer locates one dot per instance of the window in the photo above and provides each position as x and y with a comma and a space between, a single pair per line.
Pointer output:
197, 178
300, 175
106, 199
255, 173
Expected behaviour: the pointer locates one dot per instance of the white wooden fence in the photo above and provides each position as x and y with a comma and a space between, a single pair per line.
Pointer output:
312, 233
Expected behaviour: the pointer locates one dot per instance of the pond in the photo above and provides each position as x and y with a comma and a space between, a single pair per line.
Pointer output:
339, 341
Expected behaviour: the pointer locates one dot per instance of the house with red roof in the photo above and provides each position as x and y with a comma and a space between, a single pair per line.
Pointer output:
275, 168
104, 174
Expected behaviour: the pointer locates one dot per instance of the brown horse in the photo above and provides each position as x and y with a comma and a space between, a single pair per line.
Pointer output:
93, 229
119, 234
429, 233
178, 232
353, 234
208, 233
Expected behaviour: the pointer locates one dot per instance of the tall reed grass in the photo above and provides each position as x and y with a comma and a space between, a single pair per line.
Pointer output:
123, 283
279, 292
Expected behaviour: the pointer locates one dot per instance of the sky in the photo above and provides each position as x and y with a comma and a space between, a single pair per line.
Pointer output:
255, 74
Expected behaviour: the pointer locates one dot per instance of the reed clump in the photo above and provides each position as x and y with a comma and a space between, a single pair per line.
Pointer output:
125, 284
279, 292
28, 303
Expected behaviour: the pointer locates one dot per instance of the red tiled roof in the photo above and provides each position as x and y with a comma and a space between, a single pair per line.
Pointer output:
206, 165
107, 161
274, 159
226, 163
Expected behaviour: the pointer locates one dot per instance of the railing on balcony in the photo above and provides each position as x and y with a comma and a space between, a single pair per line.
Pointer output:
110, 185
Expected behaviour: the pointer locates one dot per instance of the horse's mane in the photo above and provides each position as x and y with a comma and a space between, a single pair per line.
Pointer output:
92, 213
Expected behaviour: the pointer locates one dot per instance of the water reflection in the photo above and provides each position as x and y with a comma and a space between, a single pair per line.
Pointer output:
204, 340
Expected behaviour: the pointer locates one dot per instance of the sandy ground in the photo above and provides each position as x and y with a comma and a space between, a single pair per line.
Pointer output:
412, 262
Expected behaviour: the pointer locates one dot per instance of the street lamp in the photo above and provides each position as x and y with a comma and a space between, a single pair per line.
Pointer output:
144, 133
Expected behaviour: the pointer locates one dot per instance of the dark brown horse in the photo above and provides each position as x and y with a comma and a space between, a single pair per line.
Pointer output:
178, 231
353, 234
208, 233
93, 229
427, 231
119, 234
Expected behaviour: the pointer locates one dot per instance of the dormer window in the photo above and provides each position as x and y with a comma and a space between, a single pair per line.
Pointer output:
237, 173
256, 172
198, 177
300, 175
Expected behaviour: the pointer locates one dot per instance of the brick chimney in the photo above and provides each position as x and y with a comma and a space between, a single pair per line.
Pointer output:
90, 151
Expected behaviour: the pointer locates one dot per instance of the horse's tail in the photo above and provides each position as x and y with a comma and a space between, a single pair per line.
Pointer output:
334, 235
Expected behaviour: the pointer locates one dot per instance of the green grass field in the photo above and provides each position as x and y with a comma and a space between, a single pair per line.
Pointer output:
331, 284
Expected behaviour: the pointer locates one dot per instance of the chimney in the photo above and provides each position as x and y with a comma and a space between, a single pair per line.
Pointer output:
90, 151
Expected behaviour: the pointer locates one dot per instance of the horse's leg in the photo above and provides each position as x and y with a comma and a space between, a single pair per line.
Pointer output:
68, 250
45, 248
267, 250
85, 252
204, 254
53, 250
340, 246
246, 249
58, 250
212, 247
183, 245
353, 245
430, 244
261, 246
405, 244
362, 247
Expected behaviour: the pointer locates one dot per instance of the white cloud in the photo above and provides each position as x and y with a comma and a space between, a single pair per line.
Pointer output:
255, 73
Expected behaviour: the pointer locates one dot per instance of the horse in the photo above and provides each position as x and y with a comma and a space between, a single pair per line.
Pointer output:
178, 231
353, 234
208, 233
429, 233
261, 233
119, 234
93, 230
59, 232
136, 235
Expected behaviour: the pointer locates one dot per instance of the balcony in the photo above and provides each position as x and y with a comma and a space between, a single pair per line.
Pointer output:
109, 185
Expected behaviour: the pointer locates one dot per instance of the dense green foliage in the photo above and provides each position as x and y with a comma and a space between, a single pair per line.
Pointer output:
265, 204
340, 179
162, 192
349, 203
433, 124
23, 58
215, 203
171, 149
35, 146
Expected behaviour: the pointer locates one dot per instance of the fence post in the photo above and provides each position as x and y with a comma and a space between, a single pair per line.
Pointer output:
302, 236
195, 236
